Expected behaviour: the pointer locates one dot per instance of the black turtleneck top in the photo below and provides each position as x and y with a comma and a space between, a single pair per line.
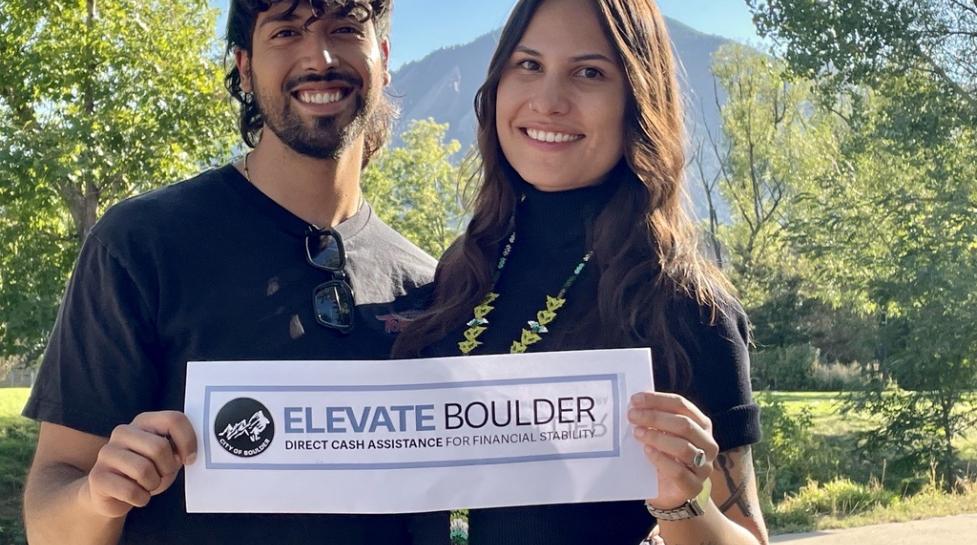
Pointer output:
552, 232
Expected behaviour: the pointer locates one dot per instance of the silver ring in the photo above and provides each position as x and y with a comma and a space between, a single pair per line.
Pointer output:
699, 459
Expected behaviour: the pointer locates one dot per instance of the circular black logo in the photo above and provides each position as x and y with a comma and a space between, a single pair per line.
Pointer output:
244, 427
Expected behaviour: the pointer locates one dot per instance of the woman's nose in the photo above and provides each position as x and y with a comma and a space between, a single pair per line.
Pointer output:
550, 98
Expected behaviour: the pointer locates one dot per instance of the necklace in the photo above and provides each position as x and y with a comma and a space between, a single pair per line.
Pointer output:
535, 329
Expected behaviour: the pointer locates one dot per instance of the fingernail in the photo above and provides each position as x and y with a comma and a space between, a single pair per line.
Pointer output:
636, 398
640, 432
632, 414
192, 457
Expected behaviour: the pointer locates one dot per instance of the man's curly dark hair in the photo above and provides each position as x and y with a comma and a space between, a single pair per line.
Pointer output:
241, 20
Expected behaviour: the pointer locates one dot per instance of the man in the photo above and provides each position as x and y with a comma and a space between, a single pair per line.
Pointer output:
234, 264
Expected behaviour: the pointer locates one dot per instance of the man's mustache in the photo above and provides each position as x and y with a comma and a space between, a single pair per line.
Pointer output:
328, 77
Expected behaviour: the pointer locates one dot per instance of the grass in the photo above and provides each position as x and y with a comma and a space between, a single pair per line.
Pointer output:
841, 503
825, 409
17, 438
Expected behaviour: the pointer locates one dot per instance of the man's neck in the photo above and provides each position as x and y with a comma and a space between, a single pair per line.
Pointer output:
322, 192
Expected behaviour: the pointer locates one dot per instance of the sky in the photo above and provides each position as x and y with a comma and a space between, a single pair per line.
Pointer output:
423, 26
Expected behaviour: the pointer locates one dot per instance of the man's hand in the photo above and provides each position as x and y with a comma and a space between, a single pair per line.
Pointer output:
140, 460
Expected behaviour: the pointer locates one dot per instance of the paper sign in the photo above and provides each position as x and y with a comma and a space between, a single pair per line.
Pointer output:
416, 435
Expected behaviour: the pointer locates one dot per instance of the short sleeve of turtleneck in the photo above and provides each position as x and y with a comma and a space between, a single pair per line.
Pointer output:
719, 357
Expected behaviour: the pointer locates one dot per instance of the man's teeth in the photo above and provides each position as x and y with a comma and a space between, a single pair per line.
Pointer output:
320, 97
552, 137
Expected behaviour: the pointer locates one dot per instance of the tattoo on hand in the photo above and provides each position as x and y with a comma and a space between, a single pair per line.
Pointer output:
737, 491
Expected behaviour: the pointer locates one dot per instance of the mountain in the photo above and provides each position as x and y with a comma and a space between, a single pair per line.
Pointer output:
443, 84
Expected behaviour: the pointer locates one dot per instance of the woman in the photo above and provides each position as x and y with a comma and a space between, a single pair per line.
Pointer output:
579, 240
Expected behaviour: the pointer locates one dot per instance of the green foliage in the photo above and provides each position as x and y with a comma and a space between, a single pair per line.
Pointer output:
414, 187
838, 497
893, 231
99, 100
17, 439
839, 377
850, 43
791, 453
768, 145
776, 141
784, 367
799, 367
876, 157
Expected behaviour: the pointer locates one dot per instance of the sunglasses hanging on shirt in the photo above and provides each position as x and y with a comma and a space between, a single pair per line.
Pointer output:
332, 301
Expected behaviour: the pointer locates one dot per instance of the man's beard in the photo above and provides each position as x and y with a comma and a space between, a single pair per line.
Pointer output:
323, 138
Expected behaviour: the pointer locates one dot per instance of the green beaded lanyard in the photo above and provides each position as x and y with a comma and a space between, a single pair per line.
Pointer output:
535, 329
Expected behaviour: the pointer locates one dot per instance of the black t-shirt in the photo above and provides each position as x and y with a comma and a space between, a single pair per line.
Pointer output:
551, 231
212, 269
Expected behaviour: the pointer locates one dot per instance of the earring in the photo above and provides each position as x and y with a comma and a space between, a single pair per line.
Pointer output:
249, 98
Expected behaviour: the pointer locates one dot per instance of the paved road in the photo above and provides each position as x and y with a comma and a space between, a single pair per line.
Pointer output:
958, 530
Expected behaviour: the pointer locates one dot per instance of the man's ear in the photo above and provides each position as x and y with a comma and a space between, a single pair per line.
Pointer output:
385, 52
243, 62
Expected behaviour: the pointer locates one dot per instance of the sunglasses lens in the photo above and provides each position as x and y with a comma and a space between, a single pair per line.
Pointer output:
333, 305
324, 251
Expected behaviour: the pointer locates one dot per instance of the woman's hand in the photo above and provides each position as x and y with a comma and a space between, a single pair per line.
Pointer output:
677, 438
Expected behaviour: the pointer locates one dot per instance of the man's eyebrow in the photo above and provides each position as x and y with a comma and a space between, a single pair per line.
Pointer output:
285, 16
579, 58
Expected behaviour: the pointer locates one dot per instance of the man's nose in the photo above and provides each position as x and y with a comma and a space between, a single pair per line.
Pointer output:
318, 56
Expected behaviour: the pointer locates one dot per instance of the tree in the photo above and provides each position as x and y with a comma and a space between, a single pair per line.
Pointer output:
774, 141
862, 42
891, 225
893, 231
414, 187
99, 100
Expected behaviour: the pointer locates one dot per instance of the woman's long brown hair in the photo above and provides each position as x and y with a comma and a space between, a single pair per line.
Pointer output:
645, 244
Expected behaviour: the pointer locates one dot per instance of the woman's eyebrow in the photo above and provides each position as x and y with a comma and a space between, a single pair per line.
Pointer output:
528, 51
579, 58
593, 57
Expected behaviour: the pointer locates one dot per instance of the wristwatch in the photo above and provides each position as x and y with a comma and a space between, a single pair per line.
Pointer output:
690, 509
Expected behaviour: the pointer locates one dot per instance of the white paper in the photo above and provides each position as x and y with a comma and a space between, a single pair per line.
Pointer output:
416, 435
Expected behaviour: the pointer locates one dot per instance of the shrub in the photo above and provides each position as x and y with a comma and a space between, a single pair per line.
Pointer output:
784, 367
834, 377
798, 368
790, 454
839, 497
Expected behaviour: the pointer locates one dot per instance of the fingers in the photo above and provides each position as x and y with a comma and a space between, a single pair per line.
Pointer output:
140, 460
174, 425
679, 426
150, 447
677, 448
126, 463
670, 403
684, 484
114, 495
673, 431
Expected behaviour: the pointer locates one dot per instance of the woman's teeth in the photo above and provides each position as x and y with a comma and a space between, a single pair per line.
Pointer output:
320, 97
552, 137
